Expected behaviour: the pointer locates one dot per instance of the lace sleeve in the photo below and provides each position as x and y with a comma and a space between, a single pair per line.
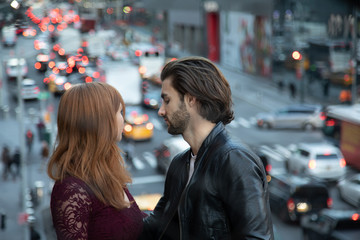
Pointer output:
70, 207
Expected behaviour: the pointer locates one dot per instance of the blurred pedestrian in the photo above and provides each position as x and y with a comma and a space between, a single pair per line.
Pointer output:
281, 85
130, 152
326, 86
29, 139
217, 188
292, 89
90, 198
41, 128
44, 154
15, 163
6, 160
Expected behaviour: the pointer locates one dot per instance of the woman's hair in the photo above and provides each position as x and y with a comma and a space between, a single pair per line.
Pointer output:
86, 145
200, 78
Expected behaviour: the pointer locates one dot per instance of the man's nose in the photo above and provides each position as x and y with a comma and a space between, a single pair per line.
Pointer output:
161, 111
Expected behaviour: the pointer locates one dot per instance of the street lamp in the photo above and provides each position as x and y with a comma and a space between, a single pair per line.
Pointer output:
297, 56
15, 4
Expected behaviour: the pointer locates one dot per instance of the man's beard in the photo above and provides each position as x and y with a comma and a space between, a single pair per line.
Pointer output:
179, 120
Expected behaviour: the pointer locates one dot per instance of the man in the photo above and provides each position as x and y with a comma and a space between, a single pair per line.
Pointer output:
216, 189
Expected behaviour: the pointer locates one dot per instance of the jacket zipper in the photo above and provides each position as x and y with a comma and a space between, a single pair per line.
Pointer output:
178, 208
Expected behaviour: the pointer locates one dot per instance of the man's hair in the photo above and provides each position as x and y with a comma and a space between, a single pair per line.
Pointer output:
200, 78
86, 141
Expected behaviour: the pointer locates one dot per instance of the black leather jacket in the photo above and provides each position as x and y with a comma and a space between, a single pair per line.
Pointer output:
226, 198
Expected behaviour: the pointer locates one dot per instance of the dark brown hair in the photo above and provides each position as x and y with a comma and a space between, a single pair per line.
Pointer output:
200, 78
86, 145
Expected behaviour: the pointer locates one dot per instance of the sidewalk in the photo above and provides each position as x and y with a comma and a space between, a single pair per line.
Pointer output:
265, 93
10, 199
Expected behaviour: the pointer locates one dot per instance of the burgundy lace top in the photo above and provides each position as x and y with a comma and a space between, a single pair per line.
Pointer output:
78, 214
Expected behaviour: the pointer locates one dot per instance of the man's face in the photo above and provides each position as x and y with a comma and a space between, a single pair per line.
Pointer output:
173, 109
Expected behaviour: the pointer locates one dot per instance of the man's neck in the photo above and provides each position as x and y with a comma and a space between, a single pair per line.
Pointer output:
196, 134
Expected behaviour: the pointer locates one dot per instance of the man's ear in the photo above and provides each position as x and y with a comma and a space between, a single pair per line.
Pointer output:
190, 100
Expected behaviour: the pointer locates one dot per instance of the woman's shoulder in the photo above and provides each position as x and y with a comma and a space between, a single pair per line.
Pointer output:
71, 185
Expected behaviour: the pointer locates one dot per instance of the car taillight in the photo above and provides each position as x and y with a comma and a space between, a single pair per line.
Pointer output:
346, 78
290, 205
312, 164
322, 116
156, 153
330, 123
166, 153
342, 162
138, 53
268, 168
355, 217
329, 202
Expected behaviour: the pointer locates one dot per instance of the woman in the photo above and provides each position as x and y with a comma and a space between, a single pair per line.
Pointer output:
90, 199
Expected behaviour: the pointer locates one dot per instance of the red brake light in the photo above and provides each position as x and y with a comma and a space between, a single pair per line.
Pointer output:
346, 78
166, 153
291, 205
268, 168
329, 202
355, 217
322, 116
330, 123
138, 53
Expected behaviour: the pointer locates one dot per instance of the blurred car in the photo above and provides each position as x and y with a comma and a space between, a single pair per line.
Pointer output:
305, 116
42, 61
349, 190
29, 32
12, 68
265, 161
63, 68
321, 160
137, 49
147, 202
119, 53
152, 99
331, 224
8, 34
168, 150
56, 83
137, 125
151, 63
151, 95
29, 90
293, 196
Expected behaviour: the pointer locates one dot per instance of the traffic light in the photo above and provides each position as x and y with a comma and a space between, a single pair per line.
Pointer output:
296, 55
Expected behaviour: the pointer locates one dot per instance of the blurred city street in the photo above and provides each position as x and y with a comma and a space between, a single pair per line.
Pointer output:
251, 45
251, 89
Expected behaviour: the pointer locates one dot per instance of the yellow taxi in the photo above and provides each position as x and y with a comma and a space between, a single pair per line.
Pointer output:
147, 202
137, 125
